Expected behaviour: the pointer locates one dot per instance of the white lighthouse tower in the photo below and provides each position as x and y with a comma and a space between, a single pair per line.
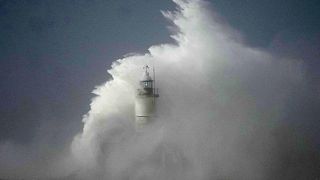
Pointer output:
145, 99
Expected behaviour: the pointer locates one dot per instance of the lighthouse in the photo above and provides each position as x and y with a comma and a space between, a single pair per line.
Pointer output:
145, 102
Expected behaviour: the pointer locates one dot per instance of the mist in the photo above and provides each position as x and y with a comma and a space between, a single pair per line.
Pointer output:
225, 111
221, 113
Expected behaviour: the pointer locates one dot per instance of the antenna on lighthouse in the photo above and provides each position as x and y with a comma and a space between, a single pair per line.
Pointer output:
146, 67
154, 83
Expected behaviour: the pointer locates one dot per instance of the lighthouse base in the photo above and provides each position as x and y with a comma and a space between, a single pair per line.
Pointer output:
141, 121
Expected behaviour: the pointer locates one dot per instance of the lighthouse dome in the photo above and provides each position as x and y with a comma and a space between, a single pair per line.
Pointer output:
146, 76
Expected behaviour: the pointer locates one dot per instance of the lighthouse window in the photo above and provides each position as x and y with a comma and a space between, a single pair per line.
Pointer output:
147, 84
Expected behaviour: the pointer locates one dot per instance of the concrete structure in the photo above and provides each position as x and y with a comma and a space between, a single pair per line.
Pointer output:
145, 103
